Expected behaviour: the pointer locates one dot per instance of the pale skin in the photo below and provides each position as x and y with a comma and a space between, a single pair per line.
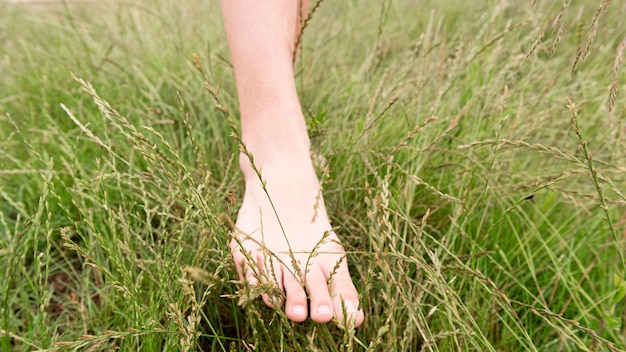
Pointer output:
273, 237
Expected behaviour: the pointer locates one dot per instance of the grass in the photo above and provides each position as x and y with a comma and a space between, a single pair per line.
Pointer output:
474, 159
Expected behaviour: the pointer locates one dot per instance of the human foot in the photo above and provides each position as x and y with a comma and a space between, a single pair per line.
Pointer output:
289, 240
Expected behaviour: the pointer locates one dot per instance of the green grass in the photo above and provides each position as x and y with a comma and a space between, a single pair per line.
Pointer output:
475, 166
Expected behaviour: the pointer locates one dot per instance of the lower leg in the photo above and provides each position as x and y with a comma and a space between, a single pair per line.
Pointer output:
261, 37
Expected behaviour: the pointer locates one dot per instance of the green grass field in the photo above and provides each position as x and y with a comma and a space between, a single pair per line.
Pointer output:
472, 156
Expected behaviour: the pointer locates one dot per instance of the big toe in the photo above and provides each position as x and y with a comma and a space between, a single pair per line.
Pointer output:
345, 299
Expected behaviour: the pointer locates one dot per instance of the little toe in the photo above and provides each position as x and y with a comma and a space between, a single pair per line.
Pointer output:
251, 276
253, 270
244, 263
296, 304
321, 303
240, 264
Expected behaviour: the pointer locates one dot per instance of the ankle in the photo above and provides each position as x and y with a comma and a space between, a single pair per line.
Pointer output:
277, 160
273, 129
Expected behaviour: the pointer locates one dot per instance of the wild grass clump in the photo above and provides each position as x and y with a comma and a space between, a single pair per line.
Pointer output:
472, 159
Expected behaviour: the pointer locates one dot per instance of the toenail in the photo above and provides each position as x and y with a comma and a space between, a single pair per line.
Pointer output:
323, 310
298, 309
350, 306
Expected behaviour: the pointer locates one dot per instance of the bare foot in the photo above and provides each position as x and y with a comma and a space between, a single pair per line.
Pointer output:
289, 238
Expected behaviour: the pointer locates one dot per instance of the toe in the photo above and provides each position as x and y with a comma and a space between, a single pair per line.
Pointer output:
252, 270
244, 263
296, 304
321, 303
251, 277
240, 264
272, 277
345, 298
273, 300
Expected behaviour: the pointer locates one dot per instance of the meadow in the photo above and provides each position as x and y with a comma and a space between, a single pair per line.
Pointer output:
472, 156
